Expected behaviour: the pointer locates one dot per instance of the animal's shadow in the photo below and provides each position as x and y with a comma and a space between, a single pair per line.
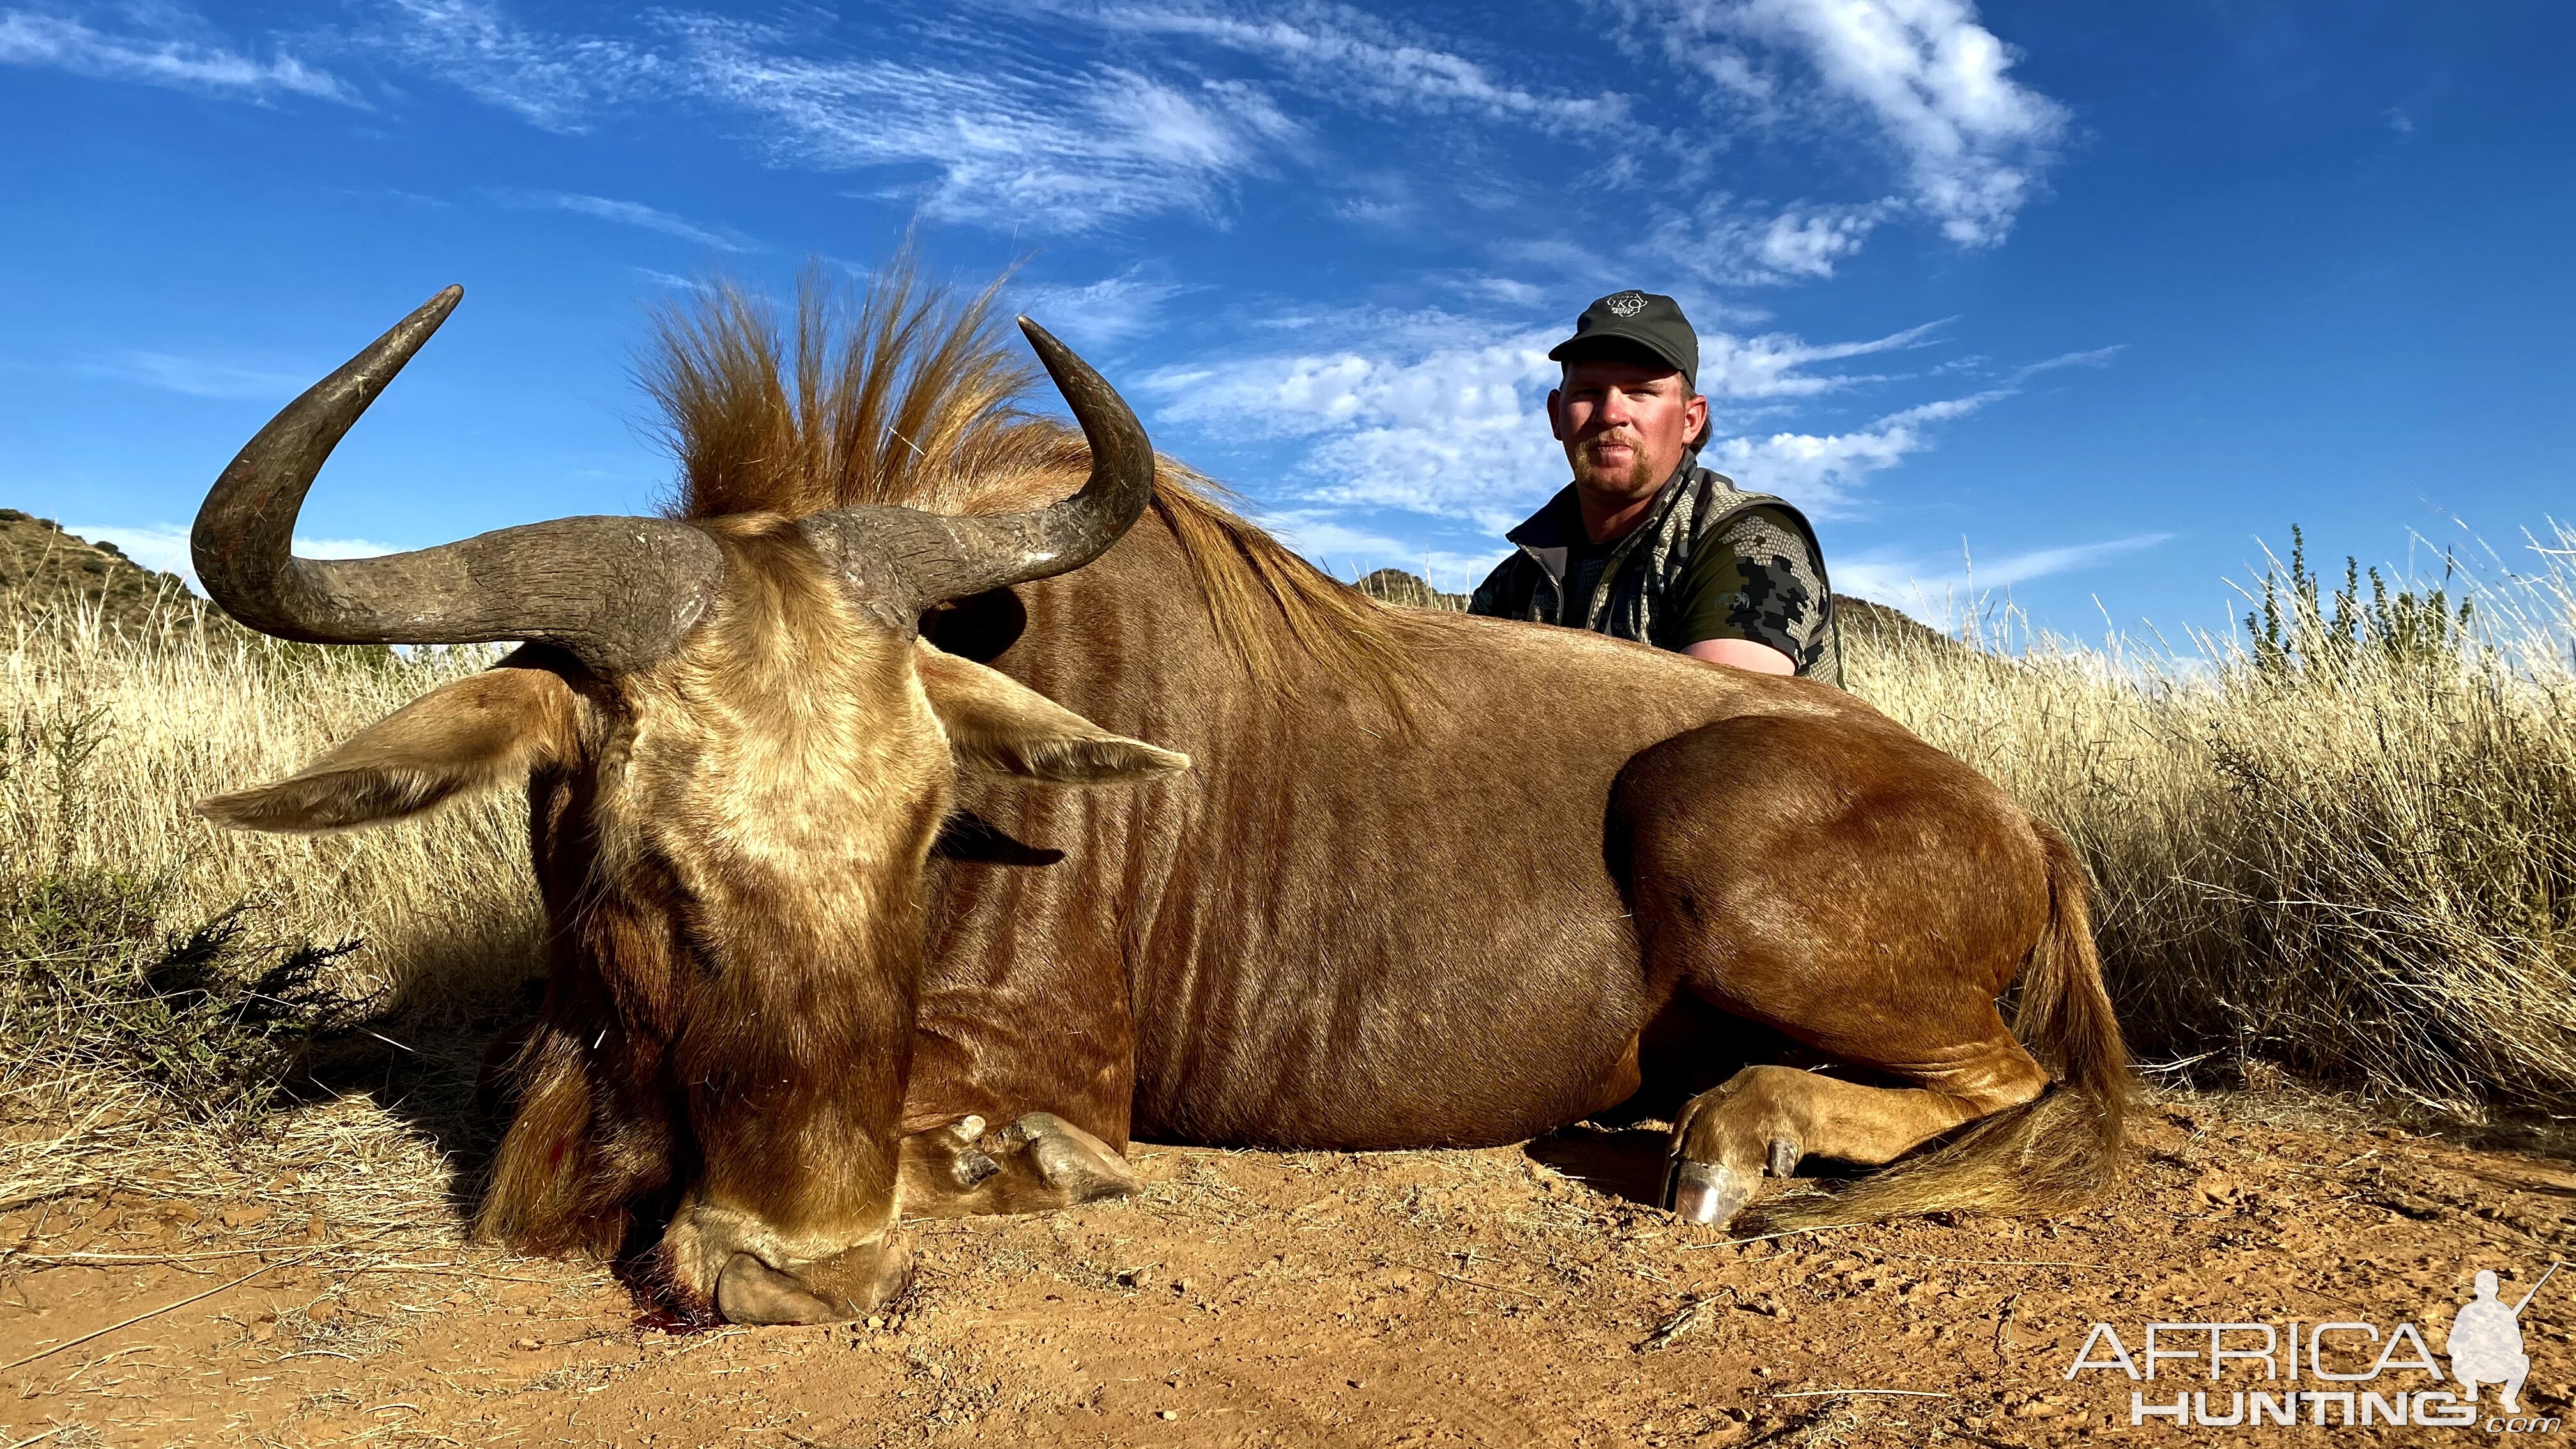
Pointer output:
1688, 1049
1623, 1162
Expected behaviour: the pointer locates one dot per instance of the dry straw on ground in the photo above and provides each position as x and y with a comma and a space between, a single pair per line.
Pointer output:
2354, 862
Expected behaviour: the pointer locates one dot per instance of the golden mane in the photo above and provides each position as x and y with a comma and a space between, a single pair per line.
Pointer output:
903, 392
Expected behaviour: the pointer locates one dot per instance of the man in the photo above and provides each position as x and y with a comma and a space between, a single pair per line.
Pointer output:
1645, 544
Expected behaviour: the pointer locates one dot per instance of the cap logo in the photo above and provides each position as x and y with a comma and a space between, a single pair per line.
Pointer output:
1626, 304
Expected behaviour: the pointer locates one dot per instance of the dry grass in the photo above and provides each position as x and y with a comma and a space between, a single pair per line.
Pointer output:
2347, 851
105, 740
2356, 865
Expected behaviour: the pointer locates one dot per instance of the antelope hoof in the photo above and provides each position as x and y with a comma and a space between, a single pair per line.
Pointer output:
832, 1290
1708, 1193
1784, 1156
971, 1167
1071, 1161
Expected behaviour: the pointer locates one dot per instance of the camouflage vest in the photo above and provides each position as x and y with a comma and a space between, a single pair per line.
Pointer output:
1637, 597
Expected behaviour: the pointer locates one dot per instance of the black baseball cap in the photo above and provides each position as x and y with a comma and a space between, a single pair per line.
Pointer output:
1640, 319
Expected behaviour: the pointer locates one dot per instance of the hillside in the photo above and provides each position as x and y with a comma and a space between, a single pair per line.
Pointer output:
43, 568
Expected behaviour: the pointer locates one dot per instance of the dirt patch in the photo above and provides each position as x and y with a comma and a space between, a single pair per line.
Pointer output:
1512, 1296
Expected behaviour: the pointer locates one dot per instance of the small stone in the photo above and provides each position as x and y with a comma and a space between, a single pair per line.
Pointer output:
1170, 1414
323, 1311
874, 1321
528, 1345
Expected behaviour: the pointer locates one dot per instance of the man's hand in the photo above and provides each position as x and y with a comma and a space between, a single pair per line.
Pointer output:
1743, 654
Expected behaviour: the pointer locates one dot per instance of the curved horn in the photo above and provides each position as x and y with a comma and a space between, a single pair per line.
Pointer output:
936, 557
617, 592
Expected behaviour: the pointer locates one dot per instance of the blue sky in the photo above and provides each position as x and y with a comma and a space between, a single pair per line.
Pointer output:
2092, 296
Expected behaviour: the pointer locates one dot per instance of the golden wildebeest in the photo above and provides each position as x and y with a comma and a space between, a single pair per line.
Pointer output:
818, 912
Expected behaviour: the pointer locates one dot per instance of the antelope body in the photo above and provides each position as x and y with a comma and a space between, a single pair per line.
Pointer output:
830, 942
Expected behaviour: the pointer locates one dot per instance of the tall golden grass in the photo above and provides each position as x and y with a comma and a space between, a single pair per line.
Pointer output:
2344, 848
110, 738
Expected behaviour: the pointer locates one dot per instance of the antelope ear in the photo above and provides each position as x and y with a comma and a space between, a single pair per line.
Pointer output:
997, 724
456, 740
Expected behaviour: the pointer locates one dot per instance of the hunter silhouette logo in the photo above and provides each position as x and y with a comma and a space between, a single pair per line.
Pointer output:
2485, 1343
2364, 1376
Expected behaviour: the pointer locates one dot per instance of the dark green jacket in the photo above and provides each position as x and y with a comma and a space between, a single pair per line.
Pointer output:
1710, 561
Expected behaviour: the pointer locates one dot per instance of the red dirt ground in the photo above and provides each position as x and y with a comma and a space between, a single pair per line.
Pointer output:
1513, 1296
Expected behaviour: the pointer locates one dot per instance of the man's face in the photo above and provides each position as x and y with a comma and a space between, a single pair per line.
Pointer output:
1623, 423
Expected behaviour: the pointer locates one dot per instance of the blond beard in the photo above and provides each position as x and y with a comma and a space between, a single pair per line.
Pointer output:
1588, 474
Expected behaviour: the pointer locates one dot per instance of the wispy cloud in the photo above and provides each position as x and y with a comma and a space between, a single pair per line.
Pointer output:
1110, 310
164, 546
1364, 59
1770, 365
1724, 240
629, 213
1821, 472
551, 80
675, 281
1005, 146
177, 50
1937, 590
1935, 83
2095, 357
991, 135
199, 376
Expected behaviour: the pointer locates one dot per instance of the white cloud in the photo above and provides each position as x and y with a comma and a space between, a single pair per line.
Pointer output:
1767, 366
1721, 239
551, 81
1009, 144
1110, 310
1438, 414
1006, 140
200, 377
630, 213
2095, 357
190, 60
1360, 57
1451, 429
1328, 539
164, 547
1350, 551
675, 282
1934, 81
1939, 590
1820, 472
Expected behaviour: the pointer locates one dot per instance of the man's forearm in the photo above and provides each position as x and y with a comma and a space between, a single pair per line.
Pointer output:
1743, 654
